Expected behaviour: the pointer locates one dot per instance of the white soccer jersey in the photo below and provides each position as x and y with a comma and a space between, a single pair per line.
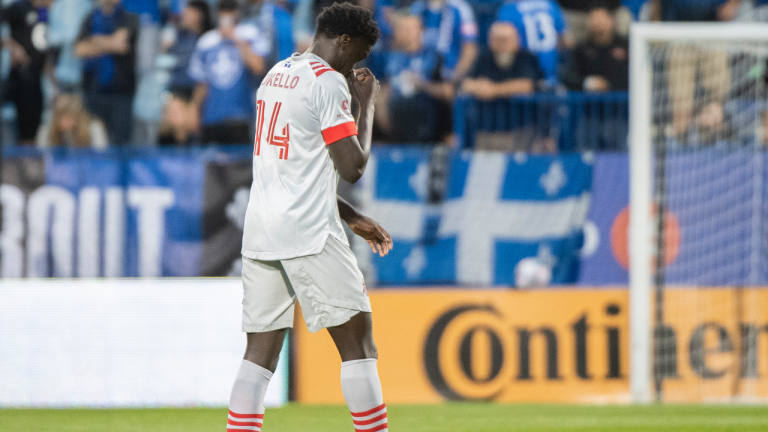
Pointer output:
302, 106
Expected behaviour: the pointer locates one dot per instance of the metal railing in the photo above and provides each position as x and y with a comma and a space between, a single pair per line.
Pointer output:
544, 122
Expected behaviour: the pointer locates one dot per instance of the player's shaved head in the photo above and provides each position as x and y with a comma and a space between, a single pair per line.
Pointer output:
347, 19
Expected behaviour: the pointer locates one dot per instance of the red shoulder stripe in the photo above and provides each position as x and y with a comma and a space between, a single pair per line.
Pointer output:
322, 71
331, 135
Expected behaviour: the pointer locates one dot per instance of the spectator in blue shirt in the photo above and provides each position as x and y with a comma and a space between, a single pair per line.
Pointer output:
225, 65
276, 26
685, 62
195, 21
542, 30
409, 104
503, 70
450, 30
107, 43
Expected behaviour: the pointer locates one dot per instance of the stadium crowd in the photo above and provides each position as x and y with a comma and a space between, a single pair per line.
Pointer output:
170, 72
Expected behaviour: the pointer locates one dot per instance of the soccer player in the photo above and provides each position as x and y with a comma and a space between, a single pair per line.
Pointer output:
314, 119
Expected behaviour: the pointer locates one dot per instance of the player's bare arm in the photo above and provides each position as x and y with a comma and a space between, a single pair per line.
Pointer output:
350, 154
370, 230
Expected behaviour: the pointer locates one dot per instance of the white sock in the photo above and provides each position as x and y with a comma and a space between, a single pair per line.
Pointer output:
246, 404
362, 391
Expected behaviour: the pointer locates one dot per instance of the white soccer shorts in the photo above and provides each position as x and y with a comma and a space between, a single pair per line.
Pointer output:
329, 287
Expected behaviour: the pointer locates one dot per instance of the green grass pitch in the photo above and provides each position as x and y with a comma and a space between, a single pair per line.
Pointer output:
453, 417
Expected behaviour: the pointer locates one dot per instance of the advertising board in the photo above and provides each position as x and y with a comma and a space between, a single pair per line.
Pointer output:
555, 345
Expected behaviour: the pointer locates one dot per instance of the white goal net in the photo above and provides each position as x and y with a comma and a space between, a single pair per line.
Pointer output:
699, 130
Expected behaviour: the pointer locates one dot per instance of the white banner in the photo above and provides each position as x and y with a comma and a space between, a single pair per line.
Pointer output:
123, 343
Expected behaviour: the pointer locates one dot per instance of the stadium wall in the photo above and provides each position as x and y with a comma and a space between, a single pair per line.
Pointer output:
123, 343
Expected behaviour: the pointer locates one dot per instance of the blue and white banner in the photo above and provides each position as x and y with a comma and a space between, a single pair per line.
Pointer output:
499, 211
714, 220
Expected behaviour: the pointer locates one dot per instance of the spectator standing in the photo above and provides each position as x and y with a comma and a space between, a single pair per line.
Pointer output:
72, 126
502, 70
225, 65
684, 62
542, 30
577, 16
27, 20
64, 22
450, 30
107, 42
276, 27
409, 103
195, 21
601, 63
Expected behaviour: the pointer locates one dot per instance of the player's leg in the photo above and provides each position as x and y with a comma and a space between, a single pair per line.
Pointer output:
359, 374
332, 294
267, 314
354, 338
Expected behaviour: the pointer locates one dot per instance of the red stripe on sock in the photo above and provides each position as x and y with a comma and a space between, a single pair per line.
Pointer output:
369, 412
237, 423
238, 430
369, 421
375, 429
236, 415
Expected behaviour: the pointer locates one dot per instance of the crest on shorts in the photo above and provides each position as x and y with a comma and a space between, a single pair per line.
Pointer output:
365, 290
345, 105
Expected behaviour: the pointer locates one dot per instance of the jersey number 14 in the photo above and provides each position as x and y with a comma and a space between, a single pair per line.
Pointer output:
272, 139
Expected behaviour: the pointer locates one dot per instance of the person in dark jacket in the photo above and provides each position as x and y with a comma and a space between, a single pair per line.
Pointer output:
27, 20
107, 43
600, 63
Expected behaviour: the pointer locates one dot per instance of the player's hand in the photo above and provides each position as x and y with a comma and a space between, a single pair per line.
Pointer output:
363, 86
378, 239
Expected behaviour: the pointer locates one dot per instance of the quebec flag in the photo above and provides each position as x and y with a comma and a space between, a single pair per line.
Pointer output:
498, 209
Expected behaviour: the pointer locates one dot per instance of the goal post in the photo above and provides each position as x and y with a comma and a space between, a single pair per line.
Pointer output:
646, 294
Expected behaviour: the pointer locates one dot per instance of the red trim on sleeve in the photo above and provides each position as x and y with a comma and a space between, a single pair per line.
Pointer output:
335, 133
322, 71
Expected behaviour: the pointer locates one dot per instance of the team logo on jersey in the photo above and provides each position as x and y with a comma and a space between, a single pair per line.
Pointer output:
287, 64
226, 67
345, 105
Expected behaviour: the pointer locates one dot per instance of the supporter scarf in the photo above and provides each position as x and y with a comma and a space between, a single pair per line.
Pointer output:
104, 66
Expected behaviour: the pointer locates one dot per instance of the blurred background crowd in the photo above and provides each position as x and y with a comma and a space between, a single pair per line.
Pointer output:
105, 73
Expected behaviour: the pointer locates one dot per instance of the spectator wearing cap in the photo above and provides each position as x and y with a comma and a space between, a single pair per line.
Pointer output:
685, 62
27, 20
503, 70
450, 30
225, 65
107, 43
276, 26
542, 29
409, 105
600, 63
